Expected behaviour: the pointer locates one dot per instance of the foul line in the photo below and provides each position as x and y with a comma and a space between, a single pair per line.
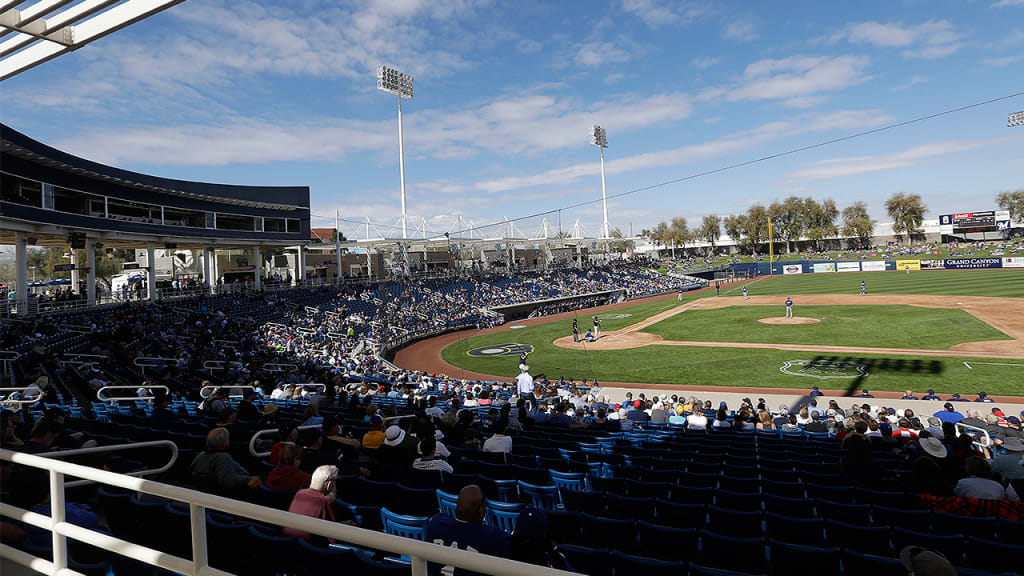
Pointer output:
992, 364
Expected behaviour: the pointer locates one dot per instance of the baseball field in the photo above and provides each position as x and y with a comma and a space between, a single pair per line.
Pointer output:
948, 330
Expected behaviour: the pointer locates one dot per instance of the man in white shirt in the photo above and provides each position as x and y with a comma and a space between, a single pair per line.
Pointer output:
524, 382
697, 420
432, 409
428, 459
499, 442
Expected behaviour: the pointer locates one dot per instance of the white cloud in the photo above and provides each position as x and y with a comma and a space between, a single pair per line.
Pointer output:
601, 52
727, 145
928, 40
911, 83
528, 46
531, 123
657, 13
798, 76
1007, 3
705, 62
740, 28
1000, 62
847, 167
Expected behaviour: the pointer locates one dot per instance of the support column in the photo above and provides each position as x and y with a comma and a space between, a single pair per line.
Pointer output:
21, 273
302, 263
258, 270
337, 261
90, 279
151, 278
208, 255
74, 272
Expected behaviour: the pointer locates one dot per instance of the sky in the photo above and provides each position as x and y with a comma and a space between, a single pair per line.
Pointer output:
283, 92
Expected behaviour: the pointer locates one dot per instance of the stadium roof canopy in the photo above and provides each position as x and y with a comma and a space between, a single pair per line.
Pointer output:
45, 29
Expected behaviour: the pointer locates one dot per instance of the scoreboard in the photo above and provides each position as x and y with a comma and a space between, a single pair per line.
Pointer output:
968, 222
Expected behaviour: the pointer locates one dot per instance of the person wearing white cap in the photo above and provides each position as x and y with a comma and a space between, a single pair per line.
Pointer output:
524, 382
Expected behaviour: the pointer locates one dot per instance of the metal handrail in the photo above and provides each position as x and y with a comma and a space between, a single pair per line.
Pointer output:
75, 328
279, 367
203, 392
99, 393
417, 551
118, 448
252, 441
986, 439
154, 361
221, 364
9, 355
72, 359
9, 400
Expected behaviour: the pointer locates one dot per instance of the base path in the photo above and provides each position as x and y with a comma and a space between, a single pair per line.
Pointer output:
1004, 314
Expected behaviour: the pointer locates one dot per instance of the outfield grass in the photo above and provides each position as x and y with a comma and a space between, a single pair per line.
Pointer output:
999, 283
728, 366
759, 367
880, 326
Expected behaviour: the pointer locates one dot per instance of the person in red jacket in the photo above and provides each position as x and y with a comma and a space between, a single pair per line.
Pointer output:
315, 501
287, 475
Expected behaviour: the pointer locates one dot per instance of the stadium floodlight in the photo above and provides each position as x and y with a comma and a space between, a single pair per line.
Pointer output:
599, 138
1015, 119
393, 81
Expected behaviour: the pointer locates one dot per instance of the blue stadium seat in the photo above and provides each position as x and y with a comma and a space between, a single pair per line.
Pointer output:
951, 546
585, 560
446, 502
740, 554
271, 554
406, 526
791, 507
734, 523
994, 556
544, 497
666, 543
608, 532
279, 499
855, 562
627, 564
848, 513
785, 556
415, 501
589, 502
803, 531
867, 539
625, 507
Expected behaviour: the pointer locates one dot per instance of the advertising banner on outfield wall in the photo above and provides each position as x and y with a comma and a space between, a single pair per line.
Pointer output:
792, 269
1014, 262
968, 263
825, 267
904, 264
873, 265
933, 264
850, 266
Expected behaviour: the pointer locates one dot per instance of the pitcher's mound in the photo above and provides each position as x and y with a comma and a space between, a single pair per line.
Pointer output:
794, 320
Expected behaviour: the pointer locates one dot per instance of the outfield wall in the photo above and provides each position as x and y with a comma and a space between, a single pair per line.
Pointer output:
840, 266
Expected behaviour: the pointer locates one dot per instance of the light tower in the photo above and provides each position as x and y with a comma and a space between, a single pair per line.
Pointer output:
393, 81
599, 138
1015, 119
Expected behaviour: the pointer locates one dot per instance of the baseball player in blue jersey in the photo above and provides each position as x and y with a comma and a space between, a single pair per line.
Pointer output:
789, 307
863, 286
745, 297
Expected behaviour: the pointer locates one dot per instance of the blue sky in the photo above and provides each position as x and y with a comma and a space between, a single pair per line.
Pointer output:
283, 92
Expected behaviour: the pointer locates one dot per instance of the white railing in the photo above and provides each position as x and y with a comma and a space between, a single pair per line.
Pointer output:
99, 393
221, 364
418, 552
118, 448
10, 391
205, 391
980, 435
279, 367
75, 328
72, 359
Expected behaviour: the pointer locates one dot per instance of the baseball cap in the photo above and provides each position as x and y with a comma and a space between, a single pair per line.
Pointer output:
1013, 420
930, 391
376, 420
637, 404
865, 407
956, 394
923, 561
722, 405
948, 406
982, 394
814, 387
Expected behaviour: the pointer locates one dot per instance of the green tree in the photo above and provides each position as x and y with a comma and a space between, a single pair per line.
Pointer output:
1014, 202
710, 229
907, 213
620, 244
678, 233
734, 226
821, 219
858, 224
788, 219
756, 229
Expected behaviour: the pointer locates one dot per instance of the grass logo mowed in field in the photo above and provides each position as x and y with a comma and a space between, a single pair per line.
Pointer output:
501, 350
823, 369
